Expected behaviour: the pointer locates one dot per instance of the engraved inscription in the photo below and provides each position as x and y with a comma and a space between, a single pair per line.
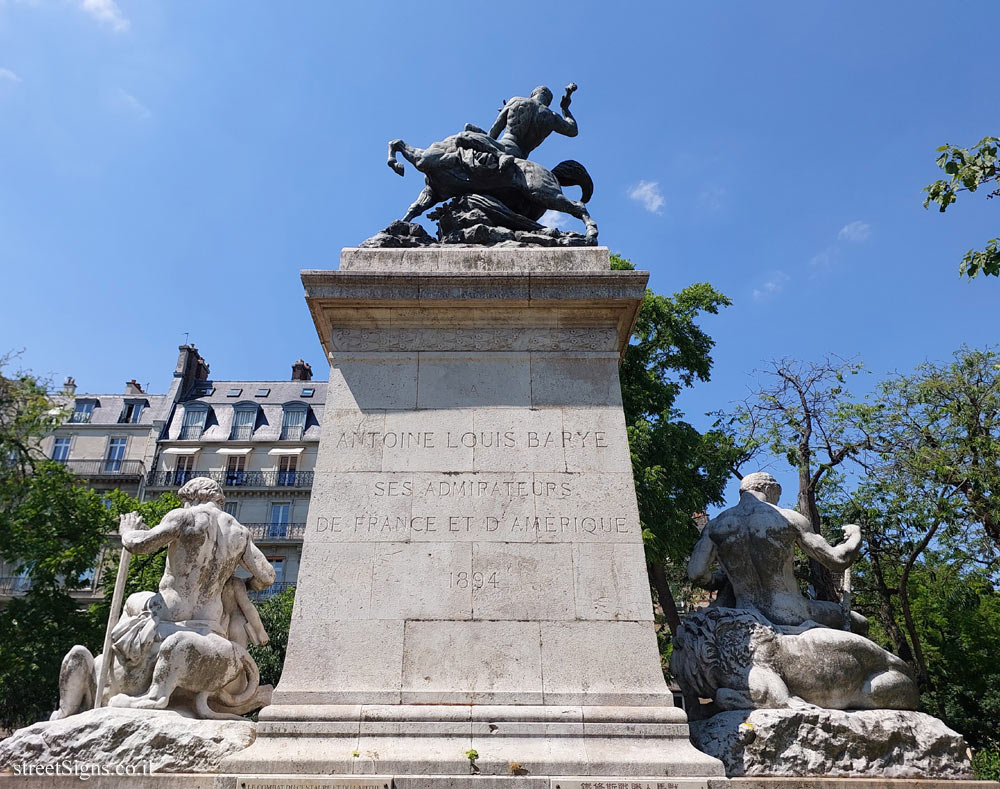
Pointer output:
399, 525
290, 782
468, 507
476, 580
508, 439
475, 488
628, 783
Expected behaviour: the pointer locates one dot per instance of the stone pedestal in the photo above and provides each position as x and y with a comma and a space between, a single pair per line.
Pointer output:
472, 595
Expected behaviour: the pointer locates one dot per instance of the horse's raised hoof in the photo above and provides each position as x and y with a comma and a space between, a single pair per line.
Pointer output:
397, 167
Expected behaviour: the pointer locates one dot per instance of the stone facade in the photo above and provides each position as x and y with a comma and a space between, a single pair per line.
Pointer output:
137, 442
258, 439
108, 441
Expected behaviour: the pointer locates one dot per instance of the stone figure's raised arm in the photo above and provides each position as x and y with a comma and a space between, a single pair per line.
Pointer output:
138, 540
702, 558
834, 557
260, 569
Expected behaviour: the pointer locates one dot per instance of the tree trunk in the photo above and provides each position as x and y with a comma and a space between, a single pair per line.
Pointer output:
887, 611
819, 576
923, 677
665, 596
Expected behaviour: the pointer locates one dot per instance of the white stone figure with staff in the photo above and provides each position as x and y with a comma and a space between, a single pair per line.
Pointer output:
184, 645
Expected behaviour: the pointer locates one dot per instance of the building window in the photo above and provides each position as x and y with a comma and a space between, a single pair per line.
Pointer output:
232, 507
83, 410
308, 391
87, 578
60, 450
262, 392
115, 456
244, 420
184, 469
194, 422
234, 392
21, 582
278, 563
286, 469
278, 526
293, 423
131, 412
236, 469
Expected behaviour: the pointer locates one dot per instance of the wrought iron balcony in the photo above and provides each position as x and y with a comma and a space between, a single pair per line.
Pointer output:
234, 479
272, 590
292, 432
106, 467
190, 432
241, 433
79, 417
276, 531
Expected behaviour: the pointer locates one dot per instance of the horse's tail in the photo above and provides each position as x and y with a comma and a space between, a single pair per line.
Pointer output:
572, 173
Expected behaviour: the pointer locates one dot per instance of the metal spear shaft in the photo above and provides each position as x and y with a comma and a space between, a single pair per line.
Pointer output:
116, 608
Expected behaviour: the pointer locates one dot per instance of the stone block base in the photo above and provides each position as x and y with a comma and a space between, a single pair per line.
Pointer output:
507, 741
833, 743
469, 782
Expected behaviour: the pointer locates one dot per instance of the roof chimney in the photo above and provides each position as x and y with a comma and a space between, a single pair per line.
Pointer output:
190, 366
301, 371
69, 386
132, 387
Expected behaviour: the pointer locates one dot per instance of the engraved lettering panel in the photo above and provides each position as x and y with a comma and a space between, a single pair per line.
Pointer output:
471, 507
486, 507
361, 508
431, 440
608, 782
296, 782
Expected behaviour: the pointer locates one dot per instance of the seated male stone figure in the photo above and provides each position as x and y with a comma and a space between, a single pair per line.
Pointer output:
755, 544
191, 635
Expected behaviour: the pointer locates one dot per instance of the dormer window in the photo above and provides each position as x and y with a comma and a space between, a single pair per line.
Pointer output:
194, 422
131, 412
293, 421
83, 410
244, 421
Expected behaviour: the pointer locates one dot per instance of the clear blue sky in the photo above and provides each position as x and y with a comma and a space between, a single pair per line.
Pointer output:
168, 167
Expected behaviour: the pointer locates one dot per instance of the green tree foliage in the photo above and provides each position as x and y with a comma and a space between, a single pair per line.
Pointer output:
802, 412
276, 615
52, 531
968, 170
144, 571
941, 426
986, 764
930, 575
678, 470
